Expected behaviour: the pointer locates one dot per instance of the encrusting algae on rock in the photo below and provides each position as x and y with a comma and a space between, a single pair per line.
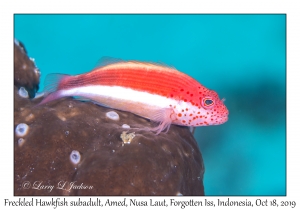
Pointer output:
112, 115
80, 142
127, 138
75, 157
22, 129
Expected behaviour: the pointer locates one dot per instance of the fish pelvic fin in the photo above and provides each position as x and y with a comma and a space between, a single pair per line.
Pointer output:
165, 118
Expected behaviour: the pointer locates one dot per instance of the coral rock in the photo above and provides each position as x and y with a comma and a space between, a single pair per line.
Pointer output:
165, 164
26, 74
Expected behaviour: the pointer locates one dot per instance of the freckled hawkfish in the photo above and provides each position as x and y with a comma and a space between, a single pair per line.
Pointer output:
153, 91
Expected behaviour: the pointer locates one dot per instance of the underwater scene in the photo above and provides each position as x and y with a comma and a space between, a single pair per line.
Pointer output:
242, 57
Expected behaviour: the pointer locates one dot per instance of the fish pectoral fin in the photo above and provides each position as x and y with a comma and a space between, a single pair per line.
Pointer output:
164, 117
192, 129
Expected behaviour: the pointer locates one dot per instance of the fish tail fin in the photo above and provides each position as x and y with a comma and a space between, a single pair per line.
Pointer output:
54, 82
54, 85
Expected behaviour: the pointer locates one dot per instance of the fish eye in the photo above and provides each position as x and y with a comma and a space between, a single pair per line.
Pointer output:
207, 102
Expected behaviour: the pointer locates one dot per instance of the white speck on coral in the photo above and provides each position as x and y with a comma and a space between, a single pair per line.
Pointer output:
23, 92
113, 150
112, 115
22, 129
36, 71
21, 141
32, 59
125, 126
179, 193
24, 66
67, 132
75, 157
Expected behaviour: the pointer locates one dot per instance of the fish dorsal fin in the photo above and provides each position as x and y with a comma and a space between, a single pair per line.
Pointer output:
162, 64
151, 63
106, 60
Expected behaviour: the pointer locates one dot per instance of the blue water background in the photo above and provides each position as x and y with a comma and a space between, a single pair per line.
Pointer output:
242, 57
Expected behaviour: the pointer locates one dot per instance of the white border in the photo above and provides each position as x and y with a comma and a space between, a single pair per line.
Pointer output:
8, 8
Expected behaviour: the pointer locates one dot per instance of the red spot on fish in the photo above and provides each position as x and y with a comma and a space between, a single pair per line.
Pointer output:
182, 110
198, 113
179, 115
183, 121
182, 90
191, 114
187, 109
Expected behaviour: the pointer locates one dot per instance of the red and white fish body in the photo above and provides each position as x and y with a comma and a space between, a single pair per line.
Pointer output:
159, 93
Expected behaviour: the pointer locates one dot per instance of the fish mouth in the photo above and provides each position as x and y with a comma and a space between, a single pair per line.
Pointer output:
223, 119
